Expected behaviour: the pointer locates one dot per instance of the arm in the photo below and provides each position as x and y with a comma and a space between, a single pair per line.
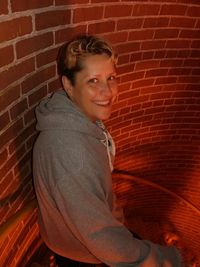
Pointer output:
81, 193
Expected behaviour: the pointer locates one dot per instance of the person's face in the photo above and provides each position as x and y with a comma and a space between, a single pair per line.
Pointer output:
95, 87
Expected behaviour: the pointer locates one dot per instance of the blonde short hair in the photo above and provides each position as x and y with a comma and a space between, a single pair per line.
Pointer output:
71, 55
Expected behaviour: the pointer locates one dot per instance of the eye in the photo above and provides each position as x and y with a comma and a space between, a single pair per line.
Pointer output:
112, 78
93, 80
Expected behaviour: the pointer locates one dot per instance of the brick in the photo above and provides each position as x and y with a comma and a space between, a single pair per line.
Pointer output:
148, 55
132, 76
197, 24
3, 156
123, 59
194, 34
87, 14
121, 88
12, 161
127, 47
117, 11
34, 44
14, 28
159, 54
194, 2
156, 72
183, 22
103, 1
71, 2
149, 91
52, 19
125, 69
37, 78
18, 109
143, 83
192, 87
195, 54
23, 5
157, 22
191, 62
171, 63
11, 132
193, 107
6, 55
166, 34
154, 110
179, 71
19, 140
36, 96
27, 241
145, 9
130, 23
4, 7
195, 72
16, 72
29, 117
172, 54
154, 44
195, 44
144, 118
128, 95
178, 44
54, 86
193, 11
31, 141
186, 79
165, 80
23, 160
149, 64
136, 56
4, 184
128, 140
9, 96
67, 34
4, 120
46, 57
141, 35
101, 27
121, 124
116, 37
169, 87
169, 9
125, 110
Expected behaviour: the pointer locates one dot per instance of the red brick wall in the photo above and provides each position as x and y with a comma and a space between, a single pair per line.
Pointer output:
155, 121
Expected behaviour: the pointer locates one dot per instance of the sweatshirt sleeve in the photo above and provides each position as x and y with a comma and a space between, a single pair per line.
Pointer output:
81, 195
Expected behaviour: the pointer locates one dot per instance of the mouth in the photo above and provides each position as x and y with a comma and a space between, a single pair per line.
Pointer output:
103, 103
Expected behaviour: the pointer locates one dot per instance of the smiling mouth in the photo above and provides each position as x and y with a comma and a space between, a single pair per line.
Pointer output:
104, 103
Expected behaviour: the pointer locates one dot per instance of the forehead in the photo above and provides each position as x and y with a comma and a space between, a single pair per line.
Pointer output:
97, 63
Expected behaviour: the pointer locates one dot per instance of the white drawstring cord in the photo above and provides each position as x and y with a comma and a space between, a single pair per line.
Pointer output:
108, 151
109, 143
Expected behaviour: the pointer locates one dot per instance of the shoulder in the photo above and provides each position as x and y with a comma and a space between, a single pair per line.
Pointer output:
71, 148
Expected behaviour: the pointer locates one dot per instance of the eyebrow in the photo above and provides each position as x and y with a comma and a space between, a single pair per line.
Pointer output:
97, 75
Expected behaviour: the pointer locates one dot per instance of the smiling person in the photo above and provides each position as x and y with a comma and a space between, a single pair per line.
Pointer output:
72, 164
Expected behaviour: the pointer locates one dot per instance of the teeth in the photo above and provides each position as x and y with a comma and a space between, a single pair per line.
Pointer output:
102, 102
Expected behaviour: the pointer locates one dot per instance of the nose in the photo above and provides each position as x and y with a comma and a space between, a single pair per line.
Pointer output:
106, 89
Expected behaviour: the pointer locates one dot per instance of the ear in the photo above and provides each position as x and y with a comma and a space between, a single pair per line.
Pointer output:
68, 87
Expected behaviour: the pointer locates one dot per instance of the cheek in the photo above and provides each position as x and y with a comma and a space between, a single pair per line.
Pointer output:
92, 91
86, 95
115, 89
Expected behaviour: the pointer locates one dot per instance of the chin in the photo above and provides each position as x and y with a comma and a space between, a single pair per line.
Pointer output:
104, 117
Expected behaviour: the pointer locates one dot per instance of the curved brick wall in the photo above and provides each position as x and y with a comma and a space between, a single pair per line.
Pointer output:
155, 121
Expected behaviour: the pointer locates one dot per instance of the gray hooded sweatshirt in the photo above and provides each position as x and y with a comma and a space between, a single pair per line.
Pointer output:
77, 214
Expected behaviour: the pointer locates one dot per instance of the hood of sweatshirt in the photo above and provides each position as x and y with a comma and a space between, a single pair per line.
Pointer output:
59, 112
